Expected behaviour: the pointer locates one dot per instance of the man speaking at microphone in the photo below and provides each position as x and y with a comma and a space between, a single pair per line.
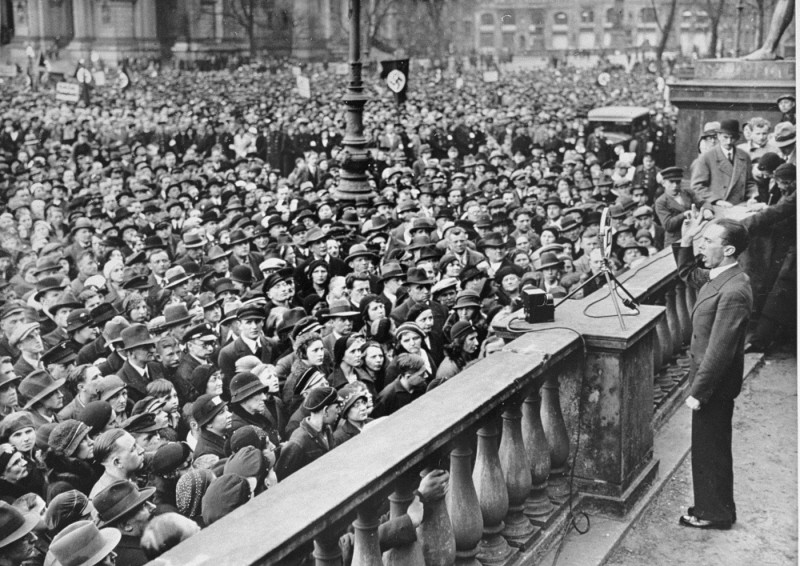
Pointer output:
719, 327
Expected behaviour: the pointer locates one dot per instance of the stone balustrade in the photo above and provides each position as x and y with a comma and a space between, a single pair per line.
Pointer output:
564, 411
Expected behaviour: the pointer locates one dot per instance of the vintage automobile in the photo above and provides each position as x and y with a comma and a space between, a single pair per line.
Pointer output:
626, 125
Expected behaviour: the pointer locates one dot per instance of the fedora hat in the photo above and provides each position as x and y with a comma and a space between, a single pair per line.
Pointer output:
119, 499
48, 284
417, 276
549, 259
291, 318
710, 129
493, 240
375, 224
21, 332
215, 253
418, 242
154, 243
82, 224
176, 276
350, 218
360, 250
61, 353
47, 263
38, 385
391, 270
206, 407
103, 313
785, 134
341, 308
176, 315
15, 525
193, 240
66, 300
315, 235
83, 544
136, 336
239, 237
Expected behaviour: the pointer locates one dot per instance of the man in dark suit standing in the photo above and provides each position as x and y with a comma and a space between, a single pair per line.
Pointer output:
719, 328
139, 368
251, 342
724, 175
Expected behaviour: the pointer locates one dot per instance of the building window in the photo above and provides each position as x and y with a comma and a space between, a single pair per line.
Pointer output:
587, 16
614, 16
537, 17
508, 40
561, 18
508, 18
487, 19
487, 39
647, 15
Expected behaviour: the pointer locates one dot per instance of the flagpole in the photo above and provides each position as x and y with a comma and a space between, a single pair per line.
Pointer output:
355, 158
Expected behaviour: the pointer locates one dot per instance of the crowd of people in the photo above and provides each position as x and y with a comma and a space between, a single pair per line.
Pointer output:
189, 316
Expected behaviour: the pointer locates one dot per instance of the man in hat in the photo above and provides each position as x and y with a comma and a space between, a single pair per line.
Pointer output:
12, 314
646, 175
60, 312
28, 341
104, 347
17, 538
675, 204
419, 287
9, 402
139, 368
126, 508
314, 437
81, 329
342, 316
250, 342
643, 219
59, 360
214, 422
199, 343
723, 176
785, 139
719, 328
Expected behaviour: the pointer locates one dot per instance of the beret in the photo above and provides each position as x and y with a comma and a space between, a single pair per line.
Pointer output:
460, 328
247, 462
96, 415
15, 422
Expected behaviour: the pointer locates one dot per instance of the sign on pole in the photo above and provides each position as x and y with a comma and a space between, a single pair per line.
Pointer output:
68, 92
8, 71
296, 71
99, 78
342, 69
304, 86
491, 76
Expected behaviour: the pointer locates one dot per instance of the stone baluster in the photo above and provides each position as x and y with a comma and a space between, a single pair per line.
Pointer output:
683, 312
673, 322
490, 485
366, 547
538, 507
462, 503
516, 466
436, 534
326, 549
408, 554
555, 431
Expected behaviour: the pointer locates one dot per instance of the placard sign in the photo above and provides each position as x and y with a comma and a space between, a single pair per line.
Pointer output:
68, 92
491, 76
8, 71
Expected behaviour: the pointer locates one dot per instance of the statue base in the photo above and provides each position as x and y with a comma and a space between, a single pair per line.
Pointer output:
716, 89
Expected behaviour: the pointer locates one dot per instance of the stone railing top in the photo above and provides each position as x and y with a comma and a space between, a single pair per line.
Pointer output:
328, 491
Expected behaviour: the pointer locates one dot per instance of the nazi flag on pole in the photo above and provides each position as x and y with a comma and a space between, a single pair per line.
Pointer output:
395, 73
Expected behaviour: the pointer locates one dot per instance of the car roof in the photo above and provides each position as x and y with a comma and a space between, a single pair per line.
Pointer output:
616, 113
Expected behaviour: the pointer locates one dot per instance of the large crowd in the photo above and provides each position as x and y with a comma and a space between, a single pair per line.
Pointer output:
189, 316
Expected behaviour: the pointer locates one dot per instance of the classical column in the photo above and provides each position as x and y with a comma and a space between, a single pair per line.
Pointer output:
490, 485
538, 507
517, 469
83, 27
556, 432
462, 503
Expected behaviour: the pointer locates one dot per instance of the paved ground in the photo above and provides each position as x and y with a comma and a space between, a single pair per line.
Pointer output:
765, 468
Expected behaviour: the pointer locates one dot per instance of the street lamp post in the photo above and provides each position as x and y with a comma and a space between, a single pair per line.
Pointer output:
355, 158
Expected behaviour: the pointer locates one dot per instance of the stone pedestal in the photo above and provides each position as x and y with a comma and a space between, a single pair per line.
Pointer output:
727, 88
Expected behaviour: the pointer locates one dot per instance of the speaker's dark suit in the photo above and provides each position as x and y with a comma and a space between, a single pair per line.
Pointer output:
719, 327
